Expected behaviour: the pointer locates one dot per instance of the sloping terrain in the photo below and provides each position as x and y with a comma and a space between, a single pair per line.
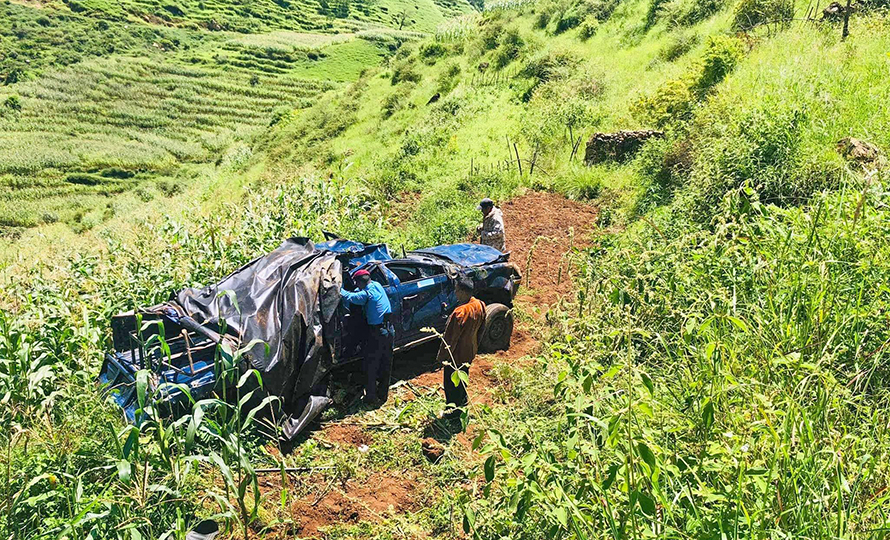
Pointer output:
715, 368
104, 98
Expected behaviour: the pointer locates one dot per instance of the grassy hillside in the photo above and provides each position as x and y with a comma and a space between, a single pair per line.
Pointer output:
719, 372
101, 99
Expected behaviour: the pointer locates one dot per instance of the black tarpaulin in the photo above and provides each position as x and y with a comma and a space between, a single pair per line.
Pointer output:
286, 300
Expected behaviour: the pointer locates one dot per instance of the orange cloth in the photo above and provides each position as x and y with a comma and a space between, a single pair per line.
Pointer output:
462, 333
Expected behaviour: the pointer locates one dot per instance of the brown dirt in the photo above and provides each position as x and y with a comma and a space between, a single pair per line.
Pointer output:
347, 435
544, 226
532, 216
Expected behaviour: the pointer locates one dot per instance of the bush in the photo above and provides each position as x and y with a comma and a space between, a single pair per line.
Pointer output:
751, 13
509, 49
84, 179
430, 52
678, 46
448, 79
721, 57
395, 101
675, 99
169, 188
117, 172
490, 37
588, 30
404, 71
13, 103
280, 114
760, 147
570, 18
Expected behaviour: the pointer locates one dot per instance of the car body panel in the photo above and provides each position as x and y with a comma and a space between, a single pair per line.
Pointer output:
465, 254
420, 287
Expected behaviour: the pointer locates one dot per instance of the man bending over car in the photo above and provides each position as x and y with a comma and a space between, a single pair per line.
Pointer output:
459, 346
378, 344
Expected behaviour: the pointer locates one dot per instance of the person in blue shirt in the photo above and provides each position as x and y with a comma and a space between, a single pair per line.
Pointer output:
378, 345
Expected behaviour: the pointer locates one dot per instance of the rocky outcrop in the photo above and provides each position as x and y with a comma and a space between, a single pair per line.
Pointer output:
619, 146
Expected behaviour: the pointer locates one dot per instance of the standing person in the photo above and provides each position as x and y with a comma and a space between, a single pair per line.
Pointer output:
460, 343
377, 347
491, 231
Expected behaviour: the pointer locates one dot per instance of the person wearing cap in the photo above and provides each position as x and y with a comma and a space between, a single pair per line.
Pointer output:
460, 343
491, 232
378, 345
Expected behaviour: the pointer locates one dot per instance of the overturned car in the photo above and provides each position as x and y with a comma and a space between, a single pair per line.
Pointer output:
284, 308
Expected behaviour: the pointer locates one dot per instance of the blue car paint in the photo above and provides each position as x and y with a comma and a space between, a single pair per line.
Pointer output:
464, 254
418, 304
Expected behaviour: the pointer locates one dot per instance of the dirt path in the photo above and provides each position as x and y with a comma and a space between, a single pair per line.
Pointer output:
541, 227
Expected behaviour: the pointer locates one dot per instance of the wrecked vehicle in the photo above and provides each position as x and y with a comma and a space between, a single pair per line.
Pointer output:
285, 309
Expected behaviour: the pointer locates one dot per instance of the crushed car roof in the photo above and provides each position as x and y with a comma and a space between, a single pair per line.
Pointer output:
465, 254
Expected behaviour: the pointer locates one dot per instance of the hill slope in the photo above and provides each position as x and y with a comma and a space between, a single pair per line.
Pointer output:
102, 99
718, 369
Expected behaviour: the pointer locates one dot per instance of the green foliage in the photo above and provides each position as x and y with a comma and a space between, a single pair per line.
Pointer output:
688, 12
588, 30
676, 98
395, 101
404, 71
751, 13
510, 46
431, 52
448, 78
13, 103
679, 45
637, 443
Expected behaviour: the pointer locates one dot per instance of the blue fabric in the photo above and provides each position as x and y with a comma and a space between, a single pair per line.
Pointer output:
374, 298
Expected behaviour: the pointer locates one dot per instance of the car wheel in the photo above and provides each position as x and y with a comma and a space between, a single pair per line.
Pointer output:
498, 328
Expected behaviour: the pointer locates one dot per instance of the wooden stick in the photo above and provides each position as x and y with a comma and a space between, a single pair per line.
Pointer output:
518, 161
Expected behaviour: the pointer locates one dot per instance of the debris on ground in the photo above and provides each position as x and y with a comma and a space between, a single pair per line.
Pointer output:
861, 152
620, 146
432, 449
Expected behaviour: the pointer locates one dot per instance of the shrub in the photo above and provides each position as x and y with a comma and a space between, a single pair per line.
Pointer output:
675, 99
448, 79
760, 147
404, 71
49, 217
588, 30
721, 57
751, 13
84, 179
280, 114
169, 188
570, 18
602, 9
490, 37
430, 52
117, 172
395, 101
13, 103
678, 46
509, 49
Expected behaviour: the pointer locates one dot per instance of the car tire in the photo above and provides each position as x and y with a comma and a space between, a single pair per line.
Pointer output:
498, 328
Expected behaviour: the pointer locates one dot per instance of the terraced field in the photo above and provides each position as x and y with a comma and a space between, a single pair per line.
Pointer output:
101, 97
79, 135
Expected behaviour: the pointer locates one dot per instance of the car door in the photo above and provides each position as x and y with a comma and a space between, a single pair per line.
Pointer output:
422, 288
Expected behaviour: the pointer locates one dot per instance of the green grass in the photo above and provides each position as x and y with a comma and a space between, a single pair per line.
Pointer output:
149, 115
719, 371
